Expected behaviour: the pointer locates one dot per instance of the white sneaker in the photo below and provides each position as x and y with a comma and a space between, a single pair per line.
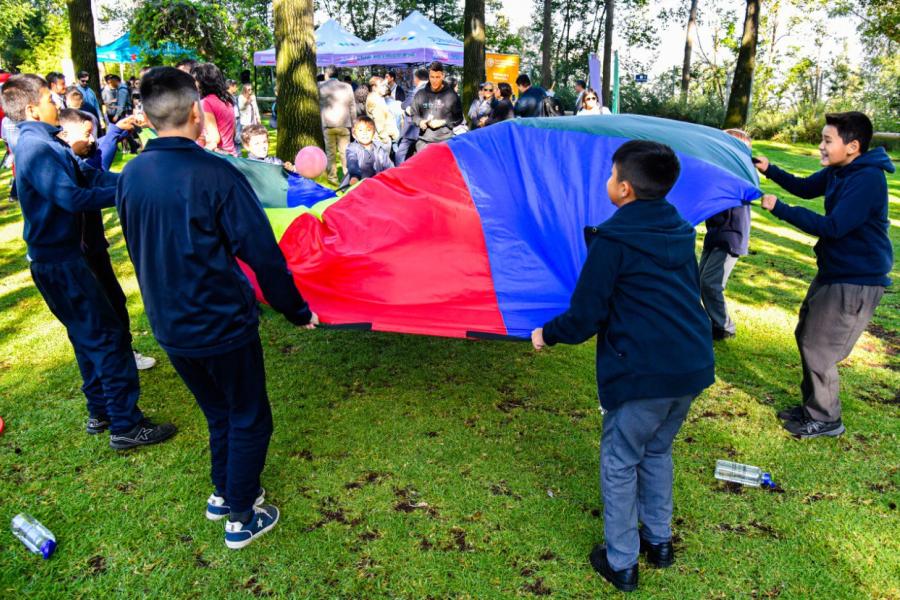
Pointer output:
143, 362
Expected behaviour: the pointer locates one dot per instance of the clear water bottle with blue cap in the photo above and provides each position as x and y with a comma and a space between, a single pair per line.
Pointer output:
35, 536
743, 474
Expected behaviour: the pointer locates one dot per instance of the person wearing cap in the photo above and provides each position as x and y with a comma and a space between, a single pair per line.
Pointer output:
480, 109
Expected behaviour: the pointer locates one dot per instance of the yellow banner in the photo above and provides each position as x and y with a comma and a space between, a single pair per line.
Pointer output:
502, 68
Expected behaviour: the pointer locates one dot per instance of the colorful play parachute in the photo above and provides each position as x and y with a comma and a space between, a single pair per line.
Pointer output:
483, 236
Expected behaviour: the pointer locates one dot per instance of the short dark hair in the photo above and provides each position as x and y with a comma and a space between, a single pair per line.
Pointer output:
320, 77
523, 79
851, 126
421, 74
505, 90
54, 76
437, 66
650, 167
251, 131
190, 63
581, 82
21, 91
73, 115
168, 95
83, 74
391, 73
113, 76
366, 120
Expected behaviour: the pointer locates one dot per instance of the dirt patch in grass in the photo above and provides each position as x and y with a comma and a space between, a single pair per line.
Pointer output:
501, 488
255, 588
332, 512
97, 565
537, 587
368, 478
408, 501
458, 541
729, 487
890, 338
752, 526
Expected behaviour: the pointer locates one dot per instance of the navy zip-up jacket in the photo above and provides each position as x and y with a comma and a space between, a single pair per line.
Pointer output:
187, 216
93, 236
729, 230
639, 293
54, 186
854, 246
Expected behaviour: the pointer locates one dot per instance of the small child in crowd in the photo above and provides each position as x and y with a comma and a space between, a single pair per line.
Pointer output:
76, 131
727, 239
185, 242
638, 292
255, 139
366, 156
854, 256
55, 188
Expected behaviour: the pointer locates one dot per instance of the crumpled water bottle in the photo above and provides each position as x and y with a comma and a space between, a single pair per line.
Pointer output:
35, 536
743, 474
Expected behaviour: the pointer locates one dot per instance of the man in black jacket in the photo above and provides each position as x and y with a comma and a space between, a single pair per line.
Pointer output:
436, 109
531, 98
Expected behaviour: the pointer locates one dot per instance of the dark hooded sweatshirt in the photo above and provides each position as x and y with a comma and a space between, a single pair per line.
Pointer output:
639, 292
854, 246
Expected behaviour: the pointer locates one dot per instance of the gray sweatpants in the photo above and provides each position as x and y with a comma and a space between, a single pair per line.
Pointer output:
636, 474
832, 317
715, 268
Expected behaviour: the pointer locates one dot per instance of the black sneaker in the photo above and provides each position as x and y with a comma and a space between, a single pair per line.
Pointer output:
721, 334
659, 555
97, 425
625, 580
794, 413
144, 433
810, 428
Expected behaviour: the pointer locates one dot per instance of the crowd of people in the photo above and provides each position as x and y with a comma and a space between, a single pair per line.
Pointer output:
640, 284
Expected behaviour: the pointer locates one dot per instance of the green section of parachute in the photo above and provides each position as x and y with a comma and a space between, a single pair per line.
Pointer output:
702, 142
281, 218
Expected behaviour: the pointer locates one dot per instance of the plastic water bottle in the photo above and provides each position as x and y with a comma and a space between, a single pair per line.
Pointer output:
743, 474
35, 536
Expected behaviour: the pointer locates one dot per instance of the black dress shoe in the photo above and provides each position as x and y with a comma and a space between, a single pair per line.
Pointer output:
659, 555
625, 580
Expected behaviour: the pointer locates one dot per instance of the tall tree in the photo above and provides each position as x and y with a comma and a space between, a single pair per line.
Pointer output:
607, 51
688, 47
742, 83
299, 122
84, 45
473, 57
547, 46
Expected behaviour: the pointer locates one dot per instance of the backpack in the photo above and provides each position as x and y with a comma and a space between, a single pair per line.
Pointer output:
551, 107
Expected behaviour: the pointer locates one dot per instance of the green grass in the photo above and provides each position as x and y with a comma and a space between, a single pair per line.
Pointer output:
499, 442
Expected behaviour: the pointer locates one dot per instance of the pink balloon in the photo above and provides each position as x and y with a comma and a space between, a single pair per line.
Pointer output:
310, 162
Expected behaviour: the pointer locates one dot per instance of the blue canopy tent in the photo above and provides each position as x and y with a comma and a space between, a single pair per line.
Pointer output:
123, 51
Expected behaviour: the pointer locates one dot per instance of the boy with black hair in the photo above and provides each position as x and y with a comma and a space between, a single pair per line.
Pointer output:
54, 188
76, 131
366, 156
638, 292
185, 242
57, 83
854, 256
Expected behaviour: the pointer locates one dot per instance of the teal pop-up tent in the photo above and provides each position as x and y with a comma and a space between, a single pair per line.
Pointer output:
123, 51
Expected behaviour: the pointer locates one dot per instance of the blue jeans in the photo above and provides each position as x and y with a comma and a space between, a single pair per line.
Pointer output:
636, 474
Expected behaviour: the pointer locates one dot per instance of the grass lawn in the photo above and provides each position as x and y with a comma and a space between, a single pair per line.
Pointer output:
415, 467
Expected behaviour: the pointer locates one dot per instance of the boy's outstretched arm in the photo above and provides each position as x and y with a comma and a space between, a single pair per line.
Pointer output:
250, 237
856, 207
802, 187
46, 172
589, 306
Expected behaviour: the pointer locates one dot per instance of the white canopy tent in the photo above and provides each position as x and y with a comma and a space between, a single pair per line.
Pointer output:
332, 41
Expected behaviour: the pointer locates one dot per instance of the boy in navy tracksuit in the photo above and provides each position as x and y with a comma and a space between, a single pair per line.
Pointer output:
77, 132
54, 186
639, 293
854, 256
187, 216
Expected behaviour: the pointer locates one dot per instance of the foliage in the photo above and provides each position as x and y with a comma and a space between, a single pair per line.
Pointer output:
34, 34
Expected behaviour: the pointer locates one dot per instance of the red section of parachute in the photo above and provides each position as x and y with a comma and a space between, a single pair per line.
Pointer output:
404, 252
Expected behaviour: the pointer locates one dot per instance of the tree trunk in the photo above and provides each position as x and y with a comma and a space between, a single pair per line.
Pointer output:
299, 122
688, 47
84, 45
607, 52
742, 83
473, 56
547, 46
